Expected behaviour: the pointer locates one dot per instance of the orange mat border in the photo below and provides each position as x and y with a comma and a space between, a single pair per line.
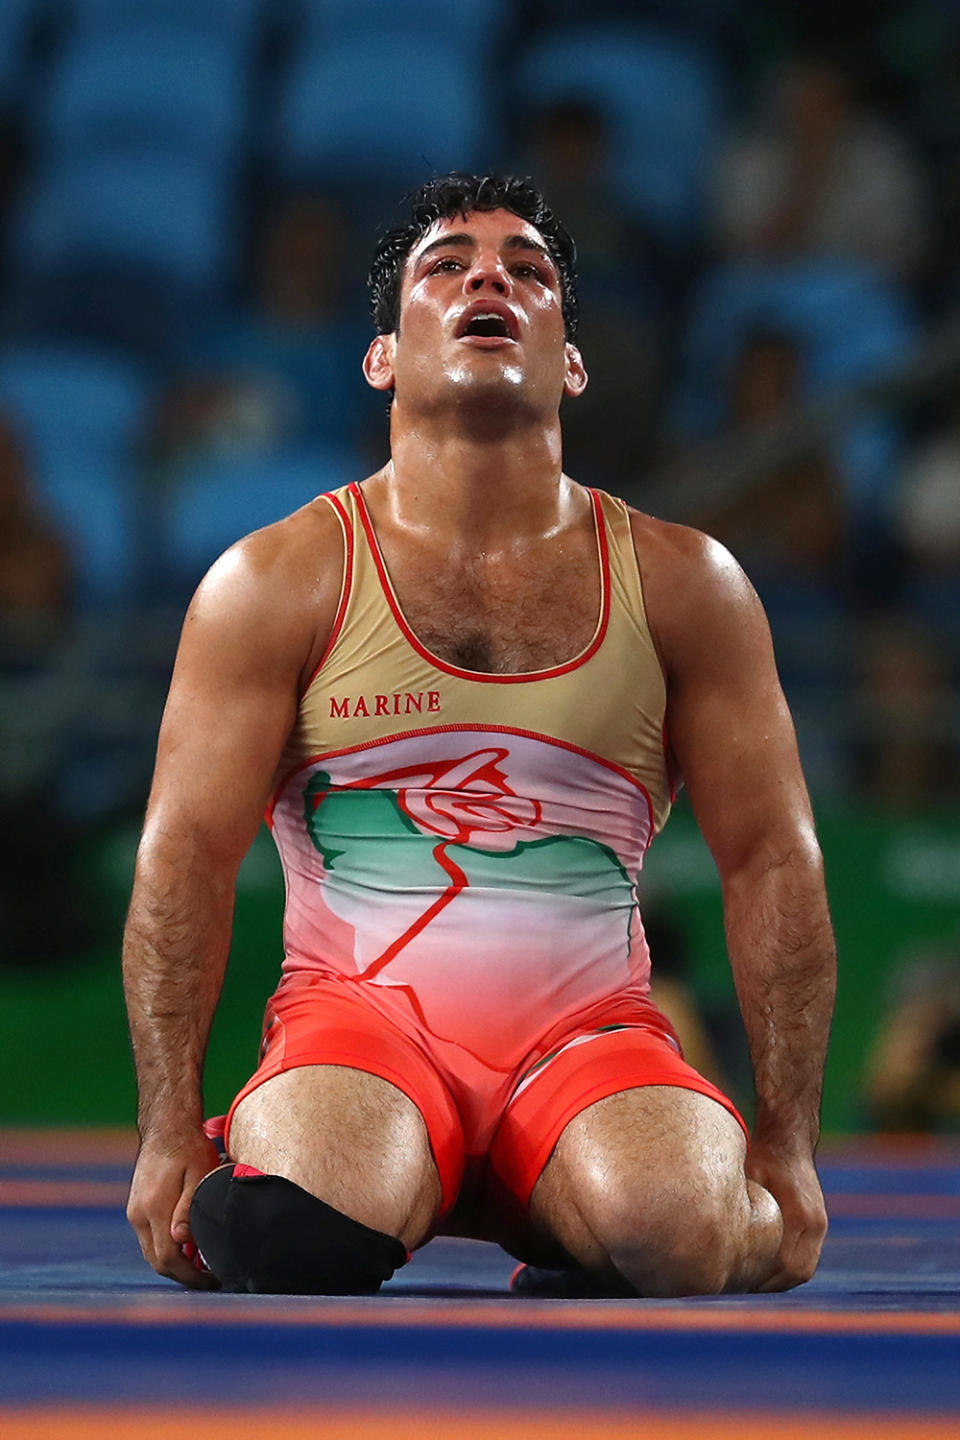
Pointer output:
68, 1145
399, 1311
441, 1425
51, 1194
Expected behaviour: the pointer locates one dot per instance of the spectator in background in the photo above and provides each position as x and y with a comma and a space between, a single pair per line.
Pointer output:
913, 1076
791, 524
907, 756
35, 569
43, 910
568, 147
822, 177
929, 500
278, 372
623, 279
931, 59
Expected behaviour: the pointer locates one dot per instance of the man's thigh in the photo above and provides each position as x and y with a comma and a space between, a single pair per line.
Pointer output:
346, 1106
617, 1151
633, 1151
349, 1137
635, 1060
660, 1151
648, 1188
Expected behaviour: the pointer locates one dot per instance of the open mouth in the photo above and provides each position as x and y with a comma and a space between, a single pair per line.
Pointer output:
488, 325
482, 323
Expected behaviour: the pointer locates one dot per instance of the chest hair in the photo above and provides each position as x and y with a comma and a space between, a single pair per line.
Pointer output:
503, 618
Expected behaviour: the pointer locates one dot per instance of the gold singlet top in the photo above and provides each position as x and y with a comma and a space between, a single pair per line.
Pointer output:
473, 840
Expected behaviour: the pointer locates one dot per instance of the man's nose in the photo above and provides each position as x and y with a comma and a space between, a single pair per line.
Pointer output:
487, 273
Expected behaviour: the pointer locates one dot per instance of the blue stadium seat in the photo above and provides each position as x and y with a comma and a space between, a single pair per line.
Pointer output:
156, 211
216, 501
96, 507
149, 86
848, 321
849, 324
78, 416
390, 107
108, 305
234, 24
660, 97
933, 597
710, 22
477, 24
305, 386
73, 399
16, 17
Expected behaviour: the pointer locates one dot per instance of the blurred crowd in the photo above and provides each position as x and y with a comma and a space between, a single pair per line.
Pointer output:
766, 202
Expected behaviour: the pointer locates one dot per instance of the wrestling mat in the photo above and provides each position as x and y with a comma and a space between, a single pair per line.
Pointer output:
93, 1344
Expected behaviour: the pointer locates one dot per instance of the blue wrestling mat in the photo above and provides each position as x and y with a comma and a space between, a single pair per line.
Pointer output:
85, 1327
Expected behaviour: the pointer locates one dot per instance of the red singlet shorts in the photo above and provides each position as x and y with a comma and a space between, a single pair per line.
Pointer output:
507, 1120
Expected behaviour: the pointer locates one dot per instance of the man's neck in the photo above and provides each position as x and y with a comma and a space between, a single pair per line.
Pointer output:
484, 495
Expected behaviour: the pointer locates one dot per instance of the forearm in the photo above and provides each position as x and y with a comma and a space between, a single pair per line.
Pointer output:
782, 952
175, 950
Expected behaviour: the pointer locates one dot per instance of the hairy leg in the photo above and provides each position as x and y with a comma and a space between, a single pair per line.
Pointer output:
350, 1138
648, 1186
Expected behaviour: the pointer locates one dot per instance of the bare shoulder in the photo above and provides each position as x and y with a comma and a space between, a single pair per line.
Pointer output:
679, 557
696, 593
276, 589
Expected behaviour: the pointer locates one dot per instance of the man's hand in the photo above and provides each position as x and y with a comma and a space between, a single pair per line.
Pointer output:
166, 1174
792, 1181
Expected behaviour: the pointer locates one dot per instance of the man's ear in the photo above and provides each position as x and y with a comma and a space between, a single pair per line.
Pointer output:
575, 374
378, 362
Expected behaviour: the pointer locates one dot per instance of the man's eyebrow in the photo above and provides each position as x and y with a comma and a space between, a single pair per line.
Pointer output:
464, 241
524, 242
445, 241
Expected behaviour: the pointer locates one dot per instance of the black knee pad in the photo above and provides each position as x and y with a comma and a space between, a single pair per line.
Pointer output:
263, 1235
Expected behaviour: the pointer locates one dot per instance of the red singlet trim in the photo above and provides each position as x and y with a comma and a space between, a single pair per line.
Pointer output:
482, 676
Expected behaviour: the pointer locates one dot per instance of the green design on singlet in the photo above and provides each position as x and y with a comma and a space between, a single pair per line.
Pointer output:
367, 841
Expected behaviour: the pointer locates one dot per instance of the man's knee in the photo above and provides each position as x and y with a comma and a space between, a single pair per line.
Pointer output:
683, 1249
262, 1234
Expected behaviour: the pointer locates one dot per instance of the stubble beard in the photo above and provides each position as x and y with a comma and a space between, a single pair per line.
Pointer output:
487, 407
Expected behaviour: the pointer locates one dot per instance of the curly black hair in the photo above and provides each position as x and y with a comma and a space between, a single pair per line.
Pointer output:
460, 193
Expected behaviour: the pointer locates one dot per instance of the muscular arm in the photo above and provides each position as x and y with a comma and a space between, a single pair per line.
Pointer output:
733, 740
250, 636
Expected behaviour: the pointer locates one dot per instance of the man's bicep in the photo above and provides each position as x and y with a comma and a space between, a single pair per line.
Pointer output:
231, 706
216, 756
732, 734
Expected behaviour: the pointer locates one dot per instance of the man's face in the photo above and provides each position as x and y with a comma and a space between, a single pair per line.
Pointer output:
480, 319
